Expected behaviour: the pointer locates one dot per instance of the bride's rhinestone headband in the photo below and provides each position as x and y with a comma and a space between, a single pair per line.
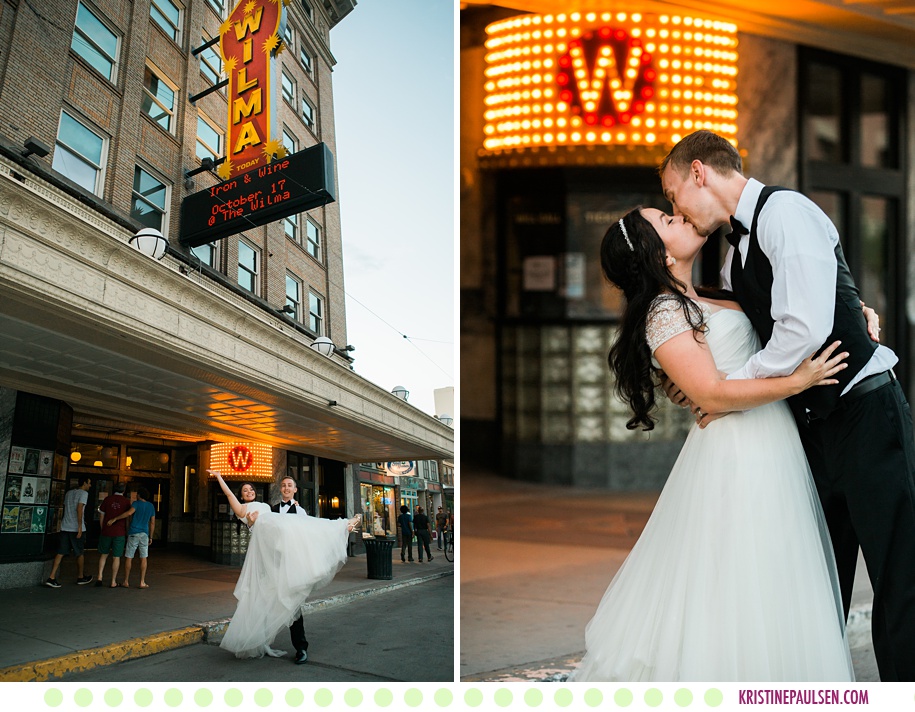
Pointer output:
626, 235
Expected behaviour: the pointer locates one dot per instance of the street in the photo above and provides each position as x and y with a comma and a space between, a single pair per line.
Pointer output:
401, 635
536, 560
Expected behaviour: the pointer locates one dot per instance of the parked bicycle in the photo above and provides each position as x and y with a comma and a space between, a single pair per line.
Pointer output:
449, 545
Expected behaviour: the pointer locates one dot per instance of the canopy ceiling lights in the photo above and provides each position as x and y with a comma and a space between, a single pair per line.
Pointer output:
608, 79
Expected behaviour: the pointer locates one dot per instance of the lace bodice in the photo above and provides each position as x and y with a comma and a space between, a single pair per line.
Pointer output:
665, 320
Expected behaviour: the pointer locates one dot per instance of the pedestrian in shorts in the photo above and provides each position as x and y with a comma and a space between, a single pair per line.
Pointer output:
142, 525
72, 533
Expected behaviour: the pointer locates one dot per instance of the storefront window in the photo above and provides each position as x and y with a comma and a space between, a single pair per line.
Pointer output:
301, 468
145, 460
823, 137
93, 455
378, 511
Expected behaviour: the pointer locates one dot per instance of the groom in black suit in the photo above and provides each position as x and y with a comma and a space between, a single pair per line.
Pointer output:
786, 268
288, 505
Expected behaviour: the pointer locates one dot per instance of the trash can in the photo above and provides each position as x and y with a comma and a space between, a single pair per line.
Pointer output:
378, 554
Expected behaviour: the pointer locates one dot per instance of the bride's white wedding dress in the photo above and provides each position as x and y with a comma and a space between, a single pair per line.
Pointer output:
289, 556
733, 578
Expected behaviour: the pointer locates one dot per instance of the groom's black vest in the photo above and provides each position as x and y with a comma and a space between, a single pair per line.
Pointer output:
752, 285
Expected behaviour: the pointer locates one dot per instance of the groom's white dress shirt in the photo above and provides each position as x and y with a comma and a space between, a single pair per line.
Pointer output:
284, 508
799, 240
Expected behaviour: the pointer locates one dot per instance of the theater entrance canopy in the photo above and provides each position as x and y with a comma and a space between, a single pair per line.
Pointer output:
154, 348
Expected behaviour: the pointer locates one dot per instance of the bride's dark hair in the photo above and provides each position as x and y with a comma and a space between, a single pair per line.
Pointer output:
636, 262
241, 486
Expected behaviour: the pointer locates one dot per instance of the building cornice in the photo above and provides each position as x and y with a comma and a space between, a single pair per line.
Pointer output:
73, 269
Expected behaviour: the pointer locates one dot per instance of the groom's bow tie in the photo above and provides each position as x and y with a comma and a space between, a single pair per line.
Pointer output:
737, 229
285, 504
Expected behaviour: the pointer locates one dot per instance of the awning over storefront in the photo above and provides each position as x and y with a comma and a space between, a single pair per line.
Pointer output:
881, 30
153, 348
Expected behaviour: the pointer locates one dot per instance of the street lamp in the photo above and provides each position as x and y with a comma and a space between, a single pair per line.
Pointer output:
400, 392
323, 345
150, 242
446, 419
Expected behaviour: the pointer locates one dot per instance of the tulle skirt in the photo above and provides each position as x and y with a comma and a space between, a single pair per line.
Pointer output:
733, 578
288, 558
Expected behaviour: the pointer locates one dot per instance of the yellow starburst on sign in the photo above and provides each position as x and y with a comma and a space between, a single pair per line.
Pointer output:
271, 43
225, 169
279, 50
271, 148
229, 65
250, 7
286, 3
225, 27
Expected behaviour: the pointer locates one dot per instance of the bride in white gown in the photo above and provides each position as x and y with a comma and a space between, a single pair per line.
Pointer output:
288, 557
733, 578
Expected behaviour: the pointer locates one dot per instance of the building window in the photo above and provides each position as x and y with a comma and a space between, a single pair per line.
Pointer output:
94, 42
289, 37
313, 239
211, 63
308, 114
315, 313
218, 6
853, 165
209, 139
168, 16
291, 226
379, 514
302, 469
307, 59
150, 198
206, 253
79, 154
290, 142
248, 264
294, 295
158, 99
288, 90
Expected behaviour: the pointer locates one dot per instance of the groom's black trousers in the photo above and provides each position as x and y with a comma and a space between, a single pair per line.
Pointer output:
863, 462
297, 634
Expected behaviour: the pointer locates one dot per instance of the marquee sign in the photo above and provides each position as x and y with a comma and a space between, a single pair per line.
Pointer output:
605, 79
249, 40
292, 184
252, 461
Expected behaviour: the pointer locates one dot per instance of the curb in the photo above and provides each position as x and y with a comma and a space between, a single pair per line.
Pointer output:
558, 669
43, 670
82, 660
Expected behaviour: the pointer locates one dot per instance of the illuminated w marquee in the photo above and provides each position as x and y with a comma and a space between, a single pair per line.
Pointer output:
606, 76
248, 461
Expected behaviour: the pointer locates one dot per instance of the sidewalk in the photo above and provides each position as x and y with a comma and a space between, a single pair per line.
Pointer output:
535, 561
48, 632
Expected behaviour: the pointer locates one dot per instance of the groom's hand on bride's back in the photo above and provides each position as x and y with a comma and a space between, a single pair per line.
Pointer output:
873, 322
676, 396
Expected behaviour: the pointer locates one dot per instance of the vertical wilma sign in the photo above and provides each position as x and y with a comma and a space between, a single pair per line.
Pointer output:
249, 41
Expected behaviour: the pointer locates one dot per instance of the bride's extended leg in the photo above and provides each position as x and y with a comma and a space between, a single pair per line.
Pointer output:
354, 523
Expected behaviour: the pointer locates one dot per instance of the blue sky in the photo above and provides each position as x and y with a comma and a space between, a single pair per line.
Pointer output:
394, 108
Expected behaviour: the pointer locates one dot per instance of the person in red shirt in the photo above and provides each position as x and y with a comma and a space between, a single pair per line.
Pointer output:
113, 532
